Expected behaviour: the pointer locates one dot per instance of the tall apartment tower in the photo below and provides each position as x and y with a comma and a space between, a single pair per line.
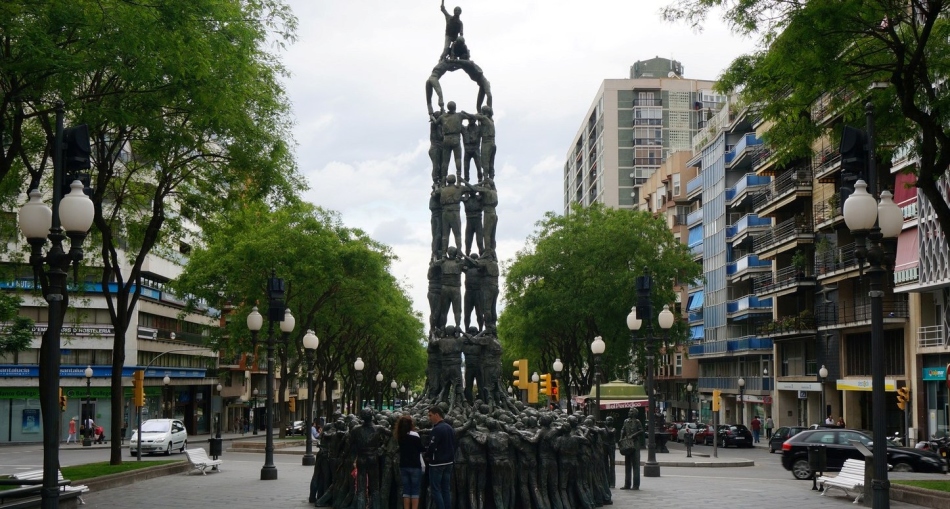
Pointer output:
631, 127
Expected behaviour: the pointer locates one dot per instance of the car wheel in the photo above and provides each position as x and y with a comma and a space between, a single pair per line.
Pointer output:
902, 467
801, 470
168, 452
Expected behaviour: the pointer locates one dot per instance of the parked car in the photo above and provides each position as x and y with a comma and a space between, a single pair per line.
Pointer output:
838, 448
160, 435
296, 428
705, 436
781, 435
734, 434
691, 428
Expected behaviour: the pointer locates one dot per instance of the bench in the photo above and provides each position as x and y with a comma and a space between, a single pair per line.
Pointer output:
849, 479
29, 492
200, 460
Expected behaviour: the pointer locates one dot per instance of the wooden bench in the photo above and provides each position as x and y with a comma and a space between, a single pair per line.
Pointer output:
200, 460
850, 480
29, 492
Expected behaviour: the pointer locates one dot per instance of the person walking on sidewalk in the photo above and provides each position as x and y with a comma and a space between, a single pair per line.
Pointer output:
756, 427
768, 427
72, 431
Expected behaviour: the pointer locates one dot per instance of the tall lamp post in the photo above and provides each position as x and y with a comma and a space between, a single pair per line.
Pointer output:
880, 223
558, 367
74, 214
310, 344
822, 375
741, 400
87, 436
379, 391
168, 397
358, 365
597, 348
644, 308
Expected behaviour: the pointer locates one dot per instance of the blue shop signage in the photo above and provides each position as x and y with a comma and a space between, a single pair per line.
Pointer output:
938, 374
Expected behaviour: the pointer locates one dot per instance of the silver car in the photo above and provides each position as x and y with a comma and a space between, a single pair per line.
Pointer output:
160, 435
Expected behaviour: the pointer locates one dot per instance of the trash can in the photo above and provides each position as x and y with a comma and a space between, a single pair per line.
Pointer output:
214, 447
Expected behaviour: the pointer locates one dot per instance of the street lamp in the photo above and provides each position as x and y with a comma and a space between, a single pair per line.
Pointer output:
393, 385
822, 375
168, 403
558, 367
86, 439
254, 424
379, 391
689, 402
597, 348
358, 365
310, 344
880, 223
73, 213
741, 399
644, 308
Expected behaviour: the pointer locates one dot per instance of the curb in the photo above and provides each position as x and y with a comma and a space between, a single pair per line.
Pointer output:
919, 496
107, 482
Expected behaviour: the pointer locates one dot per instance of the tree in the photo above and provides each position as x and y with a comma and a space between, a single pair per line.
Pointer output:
576, 279
337, 283
814, 47
182, 117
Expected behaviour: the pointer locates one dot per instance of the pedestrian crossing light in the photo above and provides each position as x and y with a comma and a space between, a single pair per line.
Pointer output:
903, 397
520, 374
138, 388
62, 400
546, 384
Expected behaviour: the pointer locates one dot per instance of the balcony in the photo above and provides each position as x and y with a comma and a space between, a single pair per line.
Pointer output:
743, 148
746, 186
931, 336
729, 347
786, 233
744, 307
858, 313
694, 187
826, 163
785, 280
802, 324
748, 265
783, 190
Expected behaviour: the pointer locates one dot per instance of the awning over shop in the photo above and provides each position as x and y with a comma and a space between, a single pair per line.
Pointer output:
695, 301
908, 254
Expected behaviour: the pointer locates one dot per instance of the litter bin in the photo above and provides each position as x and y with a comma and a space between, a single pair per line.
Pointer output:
214, 447
817, 462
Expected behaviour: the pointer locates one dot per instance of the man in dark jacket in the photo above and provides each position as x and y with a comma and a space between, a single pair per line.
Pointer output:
441, 455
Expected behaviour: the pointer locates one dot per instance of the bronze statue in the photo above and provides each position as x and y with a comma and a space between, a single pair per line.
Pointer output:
453, 29
451, 123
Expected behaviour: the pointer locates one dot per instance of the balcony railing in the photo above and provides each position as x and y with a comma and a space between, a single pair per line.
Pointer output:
786, 277
782, 232
787, 183
931, 335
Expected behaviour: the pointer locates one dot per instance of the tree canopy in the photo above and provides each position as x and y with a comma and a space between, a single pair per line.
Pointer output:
576, 279
840, 47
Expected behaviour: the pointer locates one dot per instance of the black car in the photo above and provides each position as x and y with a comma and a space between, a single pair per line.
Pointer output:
734, 434
781, 435
838, 448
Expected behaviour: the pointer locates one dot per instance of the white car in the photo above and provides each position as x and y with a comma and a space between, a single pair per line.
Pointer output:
160, 435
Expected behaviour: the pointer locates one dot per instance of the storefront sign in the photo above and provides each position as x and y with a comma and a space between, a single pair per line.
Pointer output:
863, 384
934, 374
798, 386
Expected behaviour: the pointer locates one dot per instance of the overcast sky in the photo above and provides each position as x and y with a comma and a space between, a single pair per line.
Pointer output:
357, 87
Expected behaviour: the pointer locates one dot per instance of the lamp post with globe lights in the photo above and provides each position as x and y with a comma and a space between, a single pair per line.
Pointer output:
597, 348
71, 216
379, 391
644, 308
310, 344
558, 367
358, 365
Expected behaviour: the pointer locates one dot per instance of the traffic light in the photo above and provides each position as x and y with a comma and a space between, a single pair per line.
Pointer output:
62, 400
545, 381
717, 394
520, 374
292, 404
138, 388
903, 397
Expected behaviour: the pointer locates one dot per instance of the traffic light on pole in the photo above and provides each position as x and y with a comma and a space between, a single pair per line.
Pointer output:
903, 397
520, 374
717, 394
62, 400
138, 388
545, 381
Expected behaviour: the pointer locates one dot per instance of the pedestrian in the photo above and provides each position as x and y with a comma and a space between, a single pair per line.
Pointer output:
756, 427
769, 424
410, 460
72, 431
631, 441
441, 456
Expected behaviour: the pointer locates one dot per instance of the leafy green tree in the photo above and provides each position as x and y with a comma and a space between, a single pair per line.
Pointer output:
576, 279
185, 117
841, 47
337, 283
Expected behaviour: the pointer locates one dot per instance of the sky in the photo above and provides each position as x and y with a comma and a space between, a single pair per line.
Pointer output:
357, 88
